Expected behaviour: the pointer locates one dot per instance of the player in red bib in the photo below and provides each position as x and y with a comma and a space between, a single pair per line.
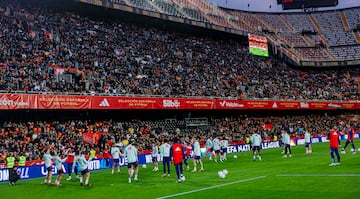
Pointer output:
177, 156
70, 160
187, 147
333, 136
350, 139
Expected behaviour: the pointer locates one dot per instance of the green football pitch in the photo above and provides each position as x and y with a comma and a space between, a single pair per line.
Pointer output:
301, 176
259, 52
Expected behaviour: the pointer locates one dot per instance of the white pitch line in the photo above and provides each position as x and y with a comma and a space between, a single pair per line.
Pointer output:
319, 175
212, 187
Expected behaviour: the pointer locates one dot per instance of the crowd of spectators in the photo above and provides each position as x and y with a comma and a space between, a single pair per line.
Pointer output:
42, 50
45, 51
32, 138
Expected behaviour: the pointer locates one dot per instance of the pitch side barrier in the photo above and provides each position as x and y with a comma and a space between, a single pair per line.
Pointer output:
28, 172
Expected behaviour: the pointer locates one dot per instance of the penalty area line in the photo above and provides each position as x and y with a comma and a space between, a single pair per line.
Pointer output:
319, 175
212, 187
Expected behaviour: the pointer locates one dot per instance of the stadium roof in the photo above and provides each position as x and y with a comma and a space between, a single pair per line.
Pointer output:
264, 5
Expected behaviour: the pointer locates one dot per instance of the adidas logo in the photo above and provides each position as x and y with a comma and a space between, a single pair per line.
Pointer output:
104, 102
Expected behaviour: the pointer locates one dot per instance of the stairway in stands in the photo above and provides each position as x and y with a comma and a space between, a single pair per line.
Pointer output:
344, 21
357, 36
317, 26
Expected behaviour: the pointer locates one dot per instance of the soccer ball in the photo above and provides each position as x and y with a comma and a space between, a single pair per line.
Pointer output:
358, 149
225, 171
343, 152
353, 150
221, 174
182, 178
235, 156
144, 166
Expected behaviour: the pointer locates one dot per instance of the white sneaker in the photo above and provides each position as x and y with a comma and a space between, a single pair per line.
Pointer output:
136, 179
69, 178
259, 157
77, 177
332, 164
284, 156
338, 163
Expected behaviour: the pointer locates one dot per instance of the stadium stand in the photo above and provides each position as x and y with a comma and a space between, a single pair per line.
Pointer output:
32, 137
66, 53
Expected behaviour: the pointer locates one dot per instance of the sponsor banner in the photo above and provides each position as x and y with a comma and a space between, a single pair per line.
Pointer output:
14, 101
284, 105
256, 104
61, 102
149, 103
123, 103
38, 101
40, 170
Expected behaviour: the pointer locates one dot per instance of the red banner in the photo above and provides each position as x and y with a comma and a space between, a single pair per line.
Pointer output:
62, 102
150, 103
38, 101
14, 101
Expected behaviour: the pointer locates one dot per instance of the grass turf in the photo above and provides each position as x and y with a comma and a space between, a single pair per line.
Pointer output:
246, 179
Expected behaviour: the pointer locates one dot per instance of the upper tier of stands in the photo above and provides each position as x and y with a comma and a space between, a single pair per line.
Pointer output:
334, 28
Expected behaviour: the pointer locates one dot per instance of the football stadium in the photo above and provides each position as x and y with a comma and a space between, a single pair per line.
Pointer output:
179, 99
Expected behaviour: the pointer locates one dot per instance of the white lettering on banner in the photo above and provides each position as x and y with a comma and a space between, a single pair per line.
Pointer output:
304, 105
4, 175
94, 165
324, 139
300, 141
171, 103
24, 173
241, 148
122, 161
231, 104
270, 145
231, 149
330, 105
43, 170
315, 140
55, 171
7, 102
148, 158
